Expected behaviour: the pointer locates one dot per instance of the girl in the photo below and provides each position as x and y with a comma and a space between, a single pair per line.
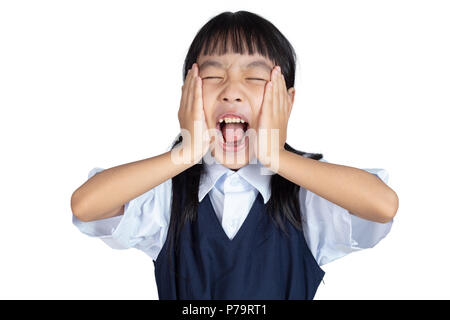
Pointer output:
228, 213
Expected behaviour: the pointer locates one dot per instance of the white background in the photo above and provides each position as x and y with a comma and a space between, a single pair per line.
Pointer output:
88, 84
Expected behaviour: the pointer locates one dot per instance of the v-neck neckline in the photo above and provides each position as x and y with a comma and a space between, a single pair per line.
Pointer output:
244, 225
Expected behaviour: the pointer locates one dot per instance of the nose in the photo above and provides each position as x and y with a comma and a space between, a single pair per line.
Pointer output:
230, 99
231, 93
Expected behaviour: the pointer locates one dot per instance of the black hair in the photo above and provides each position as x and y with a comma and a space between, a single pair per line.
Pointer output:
240, 32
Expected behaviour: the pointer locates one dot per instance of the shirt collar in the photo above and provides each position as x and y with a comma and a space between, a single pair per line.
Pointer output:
255, 174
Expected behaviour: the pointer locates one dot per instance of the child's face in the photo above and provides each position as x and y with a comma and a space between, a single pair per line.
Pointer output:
231, 85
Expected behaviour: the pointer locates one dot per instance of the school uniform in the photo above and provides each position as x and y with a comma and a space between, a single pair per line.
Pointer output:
233, 250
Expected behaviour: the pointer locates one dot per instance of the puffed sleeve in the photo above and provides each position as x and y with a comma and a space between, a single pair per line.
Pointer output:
331, 232
143, 225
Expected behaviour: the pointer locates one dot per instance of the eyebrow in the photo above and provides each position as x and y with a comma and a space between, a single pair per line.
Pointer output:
257, 63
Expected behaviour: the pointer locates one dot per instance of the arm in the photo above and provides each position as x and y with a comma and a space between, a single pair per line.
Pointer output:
104, 195
356, 190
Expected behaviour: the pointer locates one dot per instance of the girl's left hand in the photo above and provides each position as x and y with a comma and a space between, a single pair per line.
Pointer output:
274, 115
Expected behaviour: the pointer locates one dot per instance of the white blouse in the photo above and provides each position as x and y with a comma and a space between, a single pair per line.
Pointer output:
330, 231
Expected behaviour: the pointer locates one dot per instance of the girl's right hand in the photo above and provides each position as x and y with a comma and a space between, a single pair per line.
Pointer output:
194, 130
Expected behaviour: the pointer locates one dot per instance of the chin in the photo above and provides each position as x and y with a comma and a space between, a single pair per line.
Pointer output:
232, 160
234, 166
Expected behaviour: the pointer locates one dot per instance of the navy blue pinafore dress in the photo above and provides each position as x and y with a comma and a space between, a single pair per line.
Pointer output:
260, 262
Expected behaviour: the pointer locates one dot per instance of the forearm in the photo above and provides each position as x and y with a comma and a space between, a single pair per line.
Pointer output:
113, 187
356, 190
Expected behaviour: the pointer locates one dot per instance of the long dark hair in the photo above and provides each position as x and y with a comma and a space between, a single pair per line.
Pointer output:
259, 36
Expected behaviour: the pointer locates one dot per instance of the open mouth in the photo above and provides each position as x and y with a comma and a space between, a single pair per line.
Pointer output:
232, 130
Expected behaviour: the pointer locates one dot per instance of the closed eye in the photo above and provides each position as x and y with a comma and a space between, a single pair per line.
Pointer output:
247, 78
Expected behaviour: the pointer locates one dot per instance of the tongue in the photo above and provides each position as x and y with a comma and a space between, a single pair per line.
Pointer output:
233, 132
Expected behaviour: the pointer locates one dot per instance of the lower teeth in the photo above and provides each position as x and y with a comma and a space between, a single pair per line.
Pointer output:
234, 143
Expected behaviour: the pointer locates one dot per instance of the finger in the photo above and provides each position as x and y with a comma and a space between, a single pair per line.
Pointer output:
266, 98
284, 94
198, 94
191, 90
288, 103
276, 96
281, 92
194, 85
280, 96
268, 94
268, 105
184, 88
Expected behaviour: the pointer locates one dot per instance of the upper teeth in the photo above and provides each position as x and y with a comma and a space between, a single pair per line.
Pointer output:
231, 120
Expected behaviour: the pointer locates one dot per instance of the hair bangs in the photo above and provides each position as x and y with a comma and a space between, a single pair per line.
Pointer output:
235, 39
243, 32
